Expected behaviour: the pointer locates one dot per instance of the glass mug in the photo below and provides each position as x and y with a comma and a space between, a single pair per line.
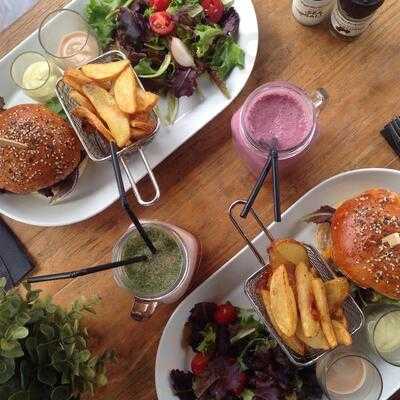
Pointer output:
346, 376
382, 325
144, 305
248, 146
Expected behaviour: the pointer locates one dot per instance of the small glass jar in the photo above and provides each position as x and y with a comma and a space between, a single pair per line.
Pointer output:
254, 155
311, 12
145, 305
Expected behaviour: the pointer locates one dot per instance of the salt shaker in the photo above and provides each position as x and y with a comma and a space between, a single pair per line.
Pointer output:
311, 12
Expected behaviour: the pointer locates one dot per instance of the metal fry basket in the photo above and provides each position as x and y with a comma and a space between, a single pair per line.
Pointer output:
353, 313
97, 147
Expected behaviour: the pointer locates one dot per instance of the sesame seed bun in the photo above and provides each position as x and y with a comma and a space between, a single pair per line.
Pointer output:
52, 153
357, 229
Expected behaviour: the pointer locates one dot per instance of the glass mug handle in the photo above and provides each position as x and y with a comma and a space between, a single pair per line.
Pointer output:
142, 310
319, 99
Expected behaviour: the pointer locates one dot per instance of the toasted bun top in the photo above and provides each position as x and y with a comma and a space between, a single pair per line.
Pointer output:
53, 150
358, 227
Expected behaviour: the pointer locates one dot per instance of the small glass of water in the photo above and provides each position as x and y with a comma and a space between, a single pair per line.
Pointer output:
346, 376
383, 327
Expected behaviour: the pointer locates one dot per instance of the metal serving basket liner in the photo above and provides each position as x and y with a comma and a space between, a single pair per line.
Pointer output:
353, 313
96, 146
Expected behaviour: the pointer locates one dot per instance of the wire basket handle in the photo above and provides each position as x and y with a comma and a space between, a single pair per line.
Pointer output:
133, 183
243, 234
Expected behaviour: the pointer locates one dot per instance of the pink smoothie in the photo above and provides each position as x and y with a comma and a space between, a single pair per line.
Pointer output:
278, 111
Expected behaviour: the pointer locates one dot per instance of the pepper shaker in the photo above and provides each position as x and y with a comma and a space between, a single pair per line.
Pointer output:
311, 12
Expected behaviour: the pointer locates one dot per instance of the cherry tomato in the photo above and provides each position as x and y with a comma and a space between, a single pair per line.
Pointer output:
159, 5
161, 23
199, 363
242, 384
213, 9
225, 314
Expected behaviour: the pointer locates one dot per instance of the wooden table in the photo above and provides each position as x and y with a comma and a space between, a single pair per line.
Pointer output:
201, 179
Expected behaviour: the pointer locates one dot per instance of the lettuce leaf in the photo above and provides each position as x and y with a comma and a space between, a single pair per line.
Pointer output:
207, 345
98, 14
206, 35
176, 5
227, 55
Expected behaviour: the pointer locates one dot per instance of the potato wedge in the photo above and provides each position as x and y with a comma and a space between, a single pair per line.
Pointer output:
125, 88
342, 334
146, 101
305, 301
84, 113
101, 72
292, 341
144, 126
321, 302
77, 75
73, 84
138, 134
337, 290
82, 100
287, 250
105, 105
283, 302
317, 342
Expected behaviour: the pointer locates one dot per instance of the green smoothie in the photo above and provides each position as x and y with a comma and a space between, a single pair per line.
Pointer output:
161, 271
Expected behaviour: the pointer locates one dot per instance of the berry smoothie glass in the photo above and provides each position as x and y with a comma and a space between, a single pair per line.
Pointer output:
276, 112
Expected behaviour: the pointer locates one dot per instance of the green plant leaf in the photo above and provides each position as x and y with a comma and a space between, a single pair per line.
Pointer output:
101, 380
47, 331
7, 369
3, 282
47, 376
61, 393
12, 352
32, 296
83, 356
36, 315
19, 332
23, 318
22, 395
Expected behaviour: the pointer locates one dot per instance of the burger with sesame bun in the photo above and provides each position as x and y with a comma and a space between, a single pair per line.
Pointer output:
39, 151
362, 239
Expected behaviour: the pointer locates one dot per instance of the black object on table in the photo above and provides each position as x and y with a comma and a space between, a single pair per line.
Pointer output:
391, 133
14, 260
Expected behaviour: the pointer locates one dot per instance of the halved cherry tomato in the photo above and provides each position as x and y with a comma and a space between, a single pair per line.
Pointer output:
159, 5
213, 9
242, 384
199, 363
225, 314
161, 23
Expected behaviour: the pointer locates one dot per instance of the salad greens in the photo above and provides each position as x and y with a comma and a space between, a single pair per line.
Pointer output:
204, 42
236, 359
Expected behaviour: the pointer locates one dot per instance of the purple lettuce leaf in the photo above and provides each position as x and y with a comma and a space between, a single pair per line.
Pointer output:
230, 22
322, 215
183, 82
200, 315
265, 389
223, 341
182, 384
131, 27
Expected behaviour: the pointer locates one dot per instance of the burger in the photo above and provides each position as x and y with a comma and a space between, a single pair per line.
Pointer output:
362, 239
39, 151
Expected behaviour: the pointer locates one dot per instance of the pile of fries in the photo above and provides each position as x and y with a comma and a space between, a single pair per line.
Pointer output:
110, 99
306, 312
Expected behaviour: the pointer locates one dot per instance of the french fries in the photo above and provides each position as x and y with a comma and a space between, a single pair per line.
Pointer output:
108, 110
305, 312
283, 303
292, 341
103, 72
337, 291
125, 91
305, 301
110, 99
321, 302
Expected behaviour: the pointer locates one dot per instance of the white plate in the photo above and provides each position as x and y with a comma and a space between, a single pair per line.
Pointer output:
97, 188
227, 282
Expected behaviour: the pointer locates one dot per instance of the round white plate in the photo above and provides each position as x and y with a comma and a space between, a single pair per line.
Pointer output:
227, 283
97, 188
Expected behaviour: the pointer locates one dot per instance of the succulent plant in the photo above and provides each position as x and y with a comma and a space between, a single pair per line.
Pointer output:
44, 352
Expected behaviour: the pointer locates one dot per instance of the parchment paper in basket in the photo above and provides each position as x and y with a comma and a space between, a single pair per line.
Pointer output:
97, 147
352, 311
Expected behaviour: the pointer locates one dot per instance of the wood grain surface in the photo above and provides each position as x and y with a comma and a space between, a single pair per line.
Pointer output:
200, 180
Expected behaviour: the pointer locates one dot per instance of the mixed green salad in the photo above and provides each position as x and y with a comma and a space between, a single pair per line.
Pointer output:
236, 359
171, 42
